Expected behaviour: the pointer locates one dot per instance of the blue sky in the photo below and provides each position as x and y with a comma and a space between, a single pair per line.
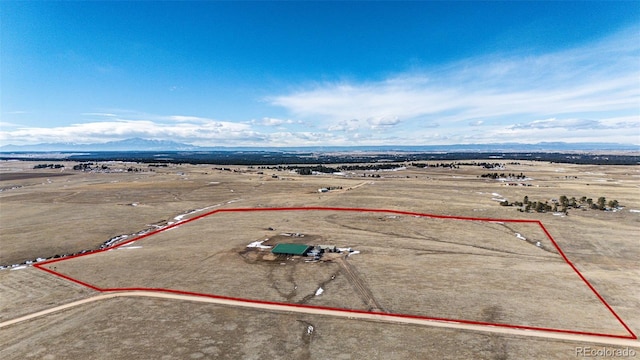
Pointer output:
320, 73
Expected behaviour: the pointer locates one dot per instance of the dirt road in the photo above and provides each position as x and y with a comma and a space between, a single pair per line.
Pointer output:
338, 313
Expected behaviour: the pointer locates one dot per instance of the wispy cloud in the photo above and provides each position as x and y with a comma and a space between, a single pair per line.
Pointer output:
184, 118
555, 123
590, 93
269, 121
8, 124
372, 123
99, 114
566, 88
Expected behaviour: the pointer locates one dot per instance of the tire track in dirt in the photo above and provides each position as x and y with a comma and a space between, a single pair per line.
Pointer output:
359, 285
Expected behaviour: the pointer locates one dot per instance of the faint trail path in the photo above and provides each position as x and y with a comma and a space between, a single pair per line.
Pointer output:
359, 285
361, 184
337, 313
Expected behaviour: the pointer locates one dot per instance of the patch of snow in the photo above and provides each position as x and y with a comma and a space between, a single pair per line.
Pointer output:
634, 210
496, 195
113, 240
354, 252
129, 247
558, 214
19, 267
538, 244
395, 169
498, 199
319, 291
258, 244
344, 249
520, 236
309, 330
180, 217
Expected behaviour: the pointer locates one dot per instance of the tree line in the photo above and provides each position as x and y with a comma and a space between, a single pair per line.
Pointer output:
563, 204
48, 166
503, 176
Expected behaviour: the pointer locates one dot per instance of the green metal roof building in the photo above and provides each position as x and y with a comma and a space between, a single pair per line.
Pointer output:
291, 249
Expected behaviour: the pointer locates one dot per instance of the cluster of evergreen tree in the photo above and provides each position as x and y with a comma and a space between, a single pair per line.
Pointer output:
368, 167
457, 164
528, 206
308, 170
491, 165
563, 204
84, 166
48, 166
89, 166
503, 175
442, 165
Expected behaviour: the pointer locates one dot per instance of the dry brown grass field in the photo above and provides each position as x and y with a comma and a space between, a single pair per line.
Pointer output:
444, 268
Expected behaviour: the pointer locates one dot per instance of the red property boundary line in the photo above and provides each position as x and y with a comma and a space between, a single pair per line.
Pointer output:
631, 335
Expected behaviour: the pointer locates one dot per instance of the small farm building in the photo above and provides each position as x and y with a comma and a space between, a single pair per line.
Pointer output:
291, 249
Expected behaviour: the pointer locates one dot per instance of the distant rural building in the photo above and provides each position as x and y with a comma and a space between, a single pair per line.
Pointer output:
291, 249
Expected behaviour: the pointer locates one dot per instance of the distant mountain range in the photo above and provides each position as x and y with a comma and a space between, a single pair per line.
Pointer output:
138, 144
134, 144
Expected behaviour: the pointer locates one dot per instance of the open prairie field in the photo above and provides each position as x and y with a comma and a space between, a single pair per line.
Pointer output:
404, 264
455, 269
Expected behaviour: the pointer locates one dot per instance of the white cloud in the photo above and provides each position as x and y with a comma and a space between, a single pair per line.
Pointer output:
583, 86
383, 121
183, 118
375, 123
269, 121
197, 131
590, 93
571, 124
